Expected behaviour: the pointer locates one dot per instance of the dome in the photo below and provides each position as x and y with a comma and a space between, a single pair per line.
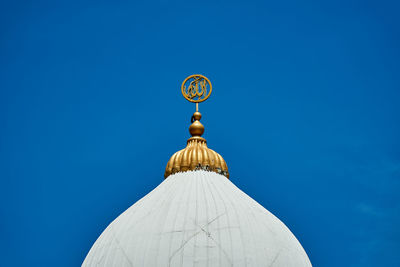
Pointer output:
197, 218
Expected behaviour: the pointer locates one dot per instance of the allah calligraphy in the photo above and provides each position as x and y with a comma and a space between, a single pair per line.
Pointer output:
196, 88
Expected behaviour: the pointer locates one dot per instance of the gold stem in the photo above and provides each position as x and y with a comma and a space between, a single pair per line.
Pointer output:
197, 107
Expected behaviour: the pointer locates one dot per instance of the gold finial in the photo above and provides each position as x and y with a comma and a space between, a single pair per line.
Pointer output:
196, 156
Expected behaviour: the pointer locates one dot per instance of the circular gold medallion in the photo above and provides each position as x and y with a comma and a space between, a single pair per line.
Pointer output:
196, 88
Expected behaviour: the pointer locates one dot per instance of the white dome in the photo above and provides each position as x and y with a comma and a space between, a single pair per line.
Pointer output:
197, 218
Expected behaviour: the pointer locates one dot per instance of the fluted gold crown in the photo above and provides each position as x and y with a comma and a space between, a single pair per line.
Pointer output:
196, 155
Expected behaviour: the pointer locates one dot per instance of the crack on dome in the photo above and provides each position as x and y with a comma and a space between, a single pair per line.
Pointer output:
120, 247
275, 258
207, 233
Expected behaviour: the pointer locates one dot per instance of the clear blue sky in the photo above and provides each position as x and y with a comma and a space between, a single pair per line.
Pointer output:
305, 110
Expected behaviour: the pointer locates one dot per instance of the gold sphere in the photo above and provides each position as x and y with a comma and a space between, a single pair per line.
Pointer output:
196, 129
196, 116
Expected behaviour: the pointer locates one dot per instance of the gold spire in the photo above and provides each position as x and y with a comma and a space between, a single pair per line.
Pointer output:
196, 156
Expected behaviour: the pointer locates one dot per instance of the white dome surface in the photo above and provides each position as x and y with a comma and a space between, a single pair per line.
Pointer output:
197, 218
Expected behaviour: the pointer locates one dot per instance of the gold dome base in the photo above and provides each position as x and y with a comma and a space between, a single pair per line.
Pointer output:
196, 156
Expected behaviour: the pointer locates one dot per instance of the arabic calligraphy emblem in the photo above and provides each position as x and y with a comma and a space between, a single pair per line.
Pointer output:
196, 88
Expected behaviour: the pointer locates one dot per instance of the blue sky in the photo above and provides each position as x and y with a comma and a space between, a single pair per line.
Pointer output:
305, 110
